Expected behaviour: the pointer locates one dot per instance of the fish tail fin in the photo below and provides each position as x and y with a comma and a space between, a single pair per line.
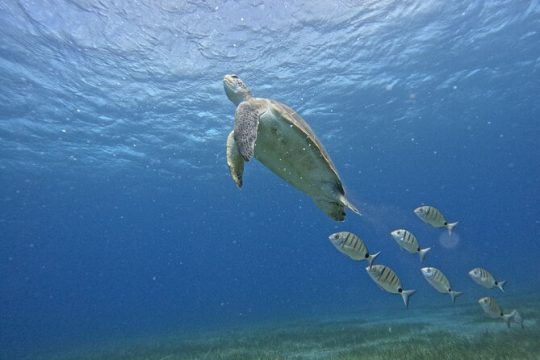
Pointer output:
422, 253
451, 226
516, 318
349, 204
454, 295
500, 285
509, 317
372, 257
405, 294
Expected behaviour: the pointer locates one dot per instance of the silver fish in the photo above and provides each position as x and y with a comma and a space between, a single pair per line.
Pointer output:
434, 217
493, 310
484, 278
408, 241
439, 281
352, 246
387, 279
490, 307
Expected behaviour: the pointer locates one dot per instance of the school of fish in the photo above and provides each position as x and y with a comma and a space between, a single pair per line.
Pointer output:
355, 248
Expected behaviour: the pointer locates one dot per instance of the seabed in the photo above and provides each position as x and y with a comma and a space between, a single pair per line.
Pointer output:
449, 332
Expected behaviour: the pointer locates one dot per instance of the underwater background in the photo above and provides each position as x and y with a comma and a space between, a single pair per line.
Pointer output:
123, 236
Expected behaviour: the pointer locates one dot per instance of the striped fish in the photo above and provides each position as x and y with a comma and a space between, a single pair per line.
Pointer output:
406, 240
484, 278
493, 310
352, 246
387, 279
439, 281
434, 217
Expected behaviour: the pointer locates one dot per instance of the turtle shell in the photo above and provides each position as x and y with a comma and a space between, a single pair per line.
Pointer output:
292, 117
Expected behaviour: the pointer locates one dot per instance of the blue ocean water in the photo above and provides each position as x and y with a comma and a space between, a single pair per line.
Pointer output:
119, 217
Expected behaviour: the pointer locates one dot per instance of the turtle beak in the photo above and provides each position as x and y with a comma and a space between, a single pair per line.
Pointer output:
228, 84
229, 79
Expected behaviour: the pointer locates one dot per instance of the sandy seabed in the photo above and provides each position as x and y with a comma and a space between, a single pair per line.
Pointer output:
449, 332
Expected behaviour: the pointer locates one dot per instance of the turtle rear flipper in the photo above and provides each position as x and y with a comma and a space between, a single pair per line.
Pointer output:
246, 123
234, 160
332, 209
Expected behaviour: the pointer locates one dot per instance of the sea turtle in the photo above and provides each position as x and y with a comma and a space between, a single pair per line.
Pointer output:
282, 141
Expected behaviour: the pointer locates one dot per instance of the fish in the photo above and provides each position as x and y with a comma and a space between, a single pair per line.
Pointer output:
434, 217
490, 307
493, 310
406, 240
439, 281
352, 246
387, 279
484, 278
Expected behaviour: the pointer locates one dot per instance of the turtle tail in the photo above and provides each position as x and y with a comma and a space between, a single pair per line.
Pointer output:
349, 204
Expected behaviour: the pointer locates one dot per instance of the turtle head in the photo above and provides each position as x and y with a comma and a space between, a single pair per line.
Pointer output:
235, 89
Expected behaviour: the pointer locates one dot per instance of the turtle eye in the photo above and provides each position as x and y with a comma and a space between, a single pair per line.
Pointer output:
234, 76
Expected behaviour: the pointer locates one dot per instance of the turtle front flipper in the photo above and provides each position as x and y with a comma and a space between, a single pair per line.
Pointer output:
246, 123
234, 160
